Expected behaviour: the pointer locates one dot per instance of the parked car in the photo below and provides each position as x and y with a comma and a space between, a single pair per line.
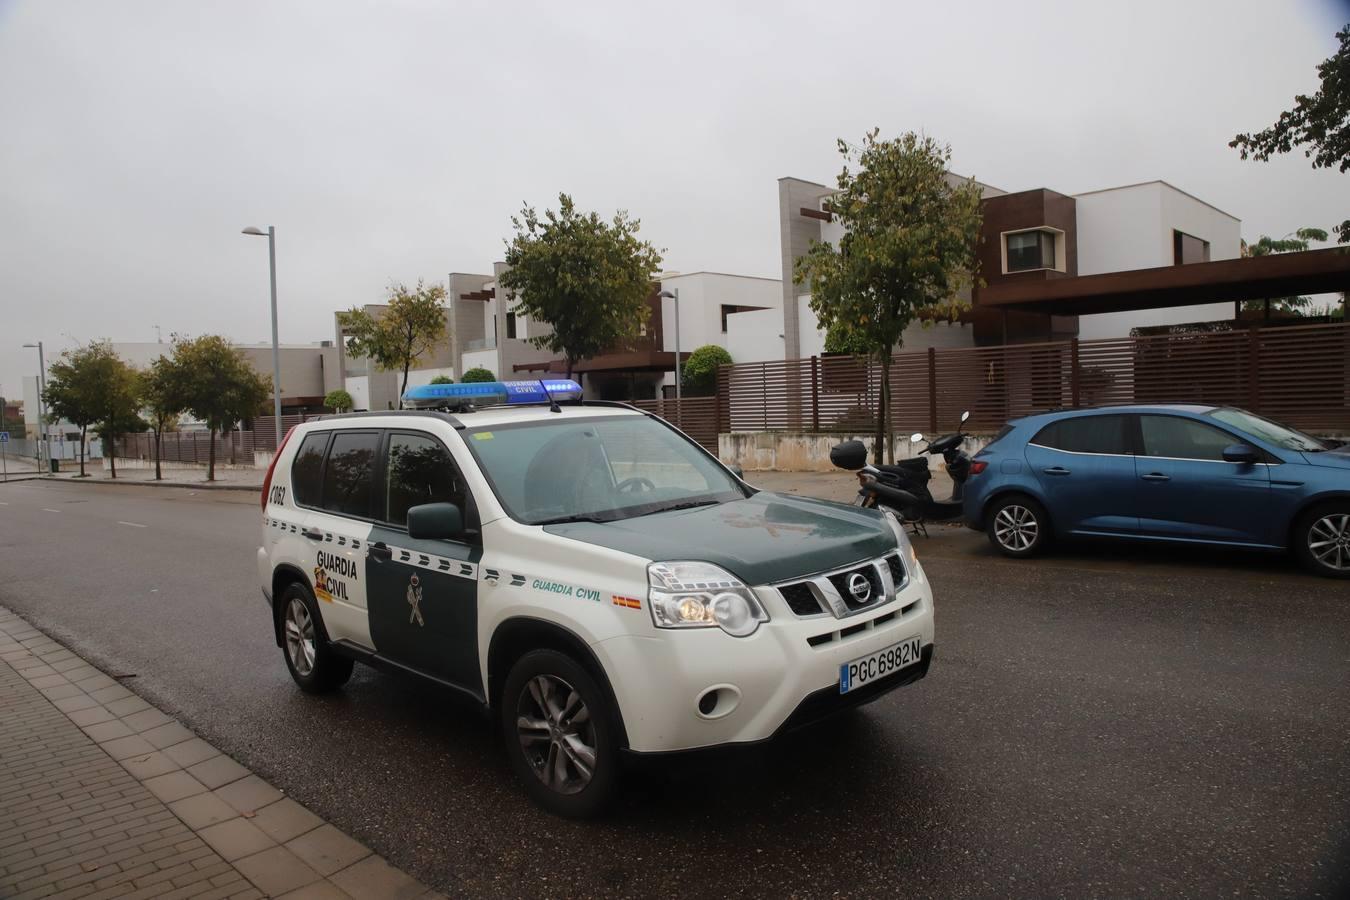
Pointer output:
584, 571
1196, 474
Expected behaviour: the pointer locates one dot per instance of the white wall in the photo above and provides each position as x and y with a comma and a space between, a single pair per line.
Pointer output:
702, 296
359, 387
486, 359
419, 377
916, 337
1131, 228
755, 336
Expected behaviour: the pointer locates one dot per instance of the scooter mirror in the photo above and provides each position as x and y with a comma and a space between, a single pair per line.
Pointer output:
964, 416
916, 437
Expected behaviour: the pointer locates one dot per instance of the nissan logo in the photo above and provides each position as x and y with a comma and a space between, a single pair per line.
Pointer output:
860, 587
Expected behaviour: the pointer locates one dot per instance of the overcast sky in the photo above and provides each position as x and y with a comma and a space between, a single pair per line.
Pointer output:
395, 140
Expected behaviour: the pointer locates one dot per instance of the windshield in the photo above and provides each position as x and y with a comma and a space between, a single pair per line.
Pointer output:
601, 469
1266, 430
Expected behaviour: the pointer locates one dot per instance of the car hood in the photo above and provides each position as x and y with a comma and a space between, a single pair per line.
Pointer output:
762, 539
1334, 459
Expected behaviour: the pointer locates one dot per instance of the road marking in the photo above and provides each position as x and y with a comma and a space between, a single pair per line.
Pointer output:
3, 503
134, 524
45, 509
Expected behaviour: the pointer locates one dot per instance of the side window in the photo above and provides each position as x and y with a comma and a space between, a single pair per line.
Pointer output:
1183, 438
1086, 434
349, 477
307, 468
420, 470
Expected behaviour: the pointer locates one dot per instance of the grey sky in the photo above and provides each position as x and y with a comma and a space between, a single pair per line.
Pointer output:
395, 140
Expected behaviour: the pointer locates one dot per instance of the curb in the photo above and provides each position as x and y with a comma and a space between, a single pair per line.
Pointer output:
193, 485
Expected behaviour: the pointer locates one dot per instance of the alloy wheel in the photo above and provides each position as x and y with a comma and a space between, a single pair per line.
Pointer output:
300, 636
1016, 528
556, 734
1329, 541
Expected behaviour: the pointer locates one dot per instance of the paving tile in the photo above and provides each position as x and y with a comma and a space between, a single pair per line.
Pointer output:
94, 682
108, 694
235, 838
149, 765
202, 810
373, 877
319, 890
74, 668
90, 715
190, 752
36, 669
285, 820
124, 705
47, 681
174, 786
145, 719
276, 871
327, 849
121, 748
71, 704
167, 735
64, 691
249, 794
107, 731
217, 771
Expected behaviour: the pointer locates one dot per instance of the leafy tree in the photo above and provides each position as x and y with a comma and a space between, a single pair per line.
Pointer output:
845, 340
1320, 123
338, 401
218, 386
78, 388
121, 403
587, 278
411, 326
477, 375
907, 250
442, 379
162, 400
699, 375
1290, 243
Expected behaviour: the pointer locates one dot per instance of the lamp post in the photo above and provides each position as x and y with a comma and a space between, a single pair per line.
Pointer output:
42, 406
675, 295
271, 235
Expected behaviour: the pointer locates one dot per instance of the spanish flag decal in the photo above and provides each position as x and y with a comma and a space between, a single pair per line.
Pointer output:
628, 602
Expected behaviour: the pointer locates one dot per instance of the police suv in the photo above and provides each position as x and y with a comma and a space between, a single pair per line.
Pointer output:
586, 572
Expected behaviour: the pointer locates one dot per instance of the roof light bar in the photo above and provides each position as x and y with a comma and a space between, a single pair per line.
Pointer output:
491, 393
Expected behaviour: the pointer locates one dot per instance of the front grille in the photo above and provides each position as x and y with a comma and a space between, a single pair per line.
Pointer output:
800, 599
897, 570
830, 592
876, 592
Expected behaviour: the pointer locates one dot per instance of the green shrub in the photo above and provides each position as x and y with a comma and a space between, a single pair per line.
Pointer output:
477, 375
338, 401
699, 377
442, 379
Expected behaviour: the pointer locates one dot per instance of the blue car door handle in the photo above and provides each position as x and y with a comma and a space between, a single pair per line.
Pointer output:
1056, 470
1156, 476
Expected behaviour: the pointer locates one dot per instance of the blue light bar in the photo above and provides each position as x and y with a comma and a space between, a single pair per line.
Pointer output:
491, 393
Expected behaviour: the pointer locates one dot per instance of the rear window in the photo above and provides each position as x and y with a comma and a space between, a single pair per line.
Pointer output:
349, 477
307, 469
1002, 433
1086, 434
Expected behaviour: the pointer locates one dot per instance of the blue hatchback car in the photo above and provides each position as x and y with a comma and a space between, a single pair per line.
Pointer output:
1199, 474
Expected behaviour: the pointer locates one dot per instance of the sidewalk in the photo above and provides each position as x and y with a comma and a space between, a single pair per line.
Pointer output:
102, 795
226, 479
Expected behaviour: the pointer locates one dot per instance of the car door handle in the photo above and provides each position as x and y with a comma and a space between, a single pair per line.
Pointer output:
380, 550
312, 533
1156, 476
1056, 470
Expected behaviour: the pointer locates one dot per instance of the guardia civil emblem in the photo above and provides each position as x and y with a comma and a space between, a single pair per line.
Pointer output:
415, 601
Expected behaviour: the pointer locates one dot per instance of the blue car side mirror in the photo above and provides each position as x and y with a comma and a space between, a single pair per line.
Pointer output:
1240, 453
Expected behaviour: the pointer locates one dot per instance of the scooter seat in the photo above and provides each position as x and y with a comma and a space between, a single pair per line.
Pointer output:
907, 466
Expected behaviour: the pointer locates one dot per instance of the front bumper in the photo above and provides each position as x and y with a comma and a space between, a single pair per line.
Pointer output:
784, 676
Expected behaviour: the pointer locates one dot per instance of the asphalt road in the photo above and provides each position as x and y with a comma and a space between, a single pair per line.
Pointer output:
1105, 721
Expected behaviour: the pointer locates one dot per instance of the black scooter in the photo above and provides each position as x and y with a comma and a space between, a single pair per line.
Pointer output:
903, 488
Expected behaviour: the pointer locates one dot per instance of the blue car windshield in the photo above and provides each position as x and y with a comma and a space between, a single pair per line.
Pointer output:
1266, 430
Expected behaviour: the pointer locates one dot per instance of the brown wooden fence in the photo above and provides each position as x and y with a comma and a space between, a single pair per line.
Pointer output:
1299, 375
695, 416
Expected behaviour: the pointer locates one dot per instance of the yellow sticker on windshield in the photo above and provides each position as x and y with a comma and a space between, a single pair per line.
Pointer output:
482, 435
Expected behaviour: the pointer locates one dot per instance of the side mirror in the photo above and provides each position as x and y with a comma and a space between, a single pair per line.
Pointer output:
916, 437
1240, 453
435, 522
737, 471
965, 416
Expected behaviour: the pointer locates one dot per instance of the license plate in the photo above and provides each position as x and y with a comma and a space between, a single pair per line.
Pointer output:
869, 668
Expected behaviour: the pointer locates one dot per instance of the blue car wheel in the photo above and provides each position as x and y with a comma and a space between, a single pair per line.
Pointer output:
1322, 540
1018, 526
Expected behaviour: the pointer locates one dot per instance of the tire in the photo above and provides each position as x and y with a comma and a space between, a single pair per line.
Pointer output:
314, 665
1328, 527
552, 751
1018, 526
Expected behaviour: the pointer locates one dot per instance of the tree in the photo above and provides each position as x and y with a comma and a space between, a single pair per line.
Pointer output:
477, 375
442, 379
908, 248
338, 400
1320, 123
587, 278
411, 326
218, 386
162, 399
78, 388
699, 376
1290, 243
121, 403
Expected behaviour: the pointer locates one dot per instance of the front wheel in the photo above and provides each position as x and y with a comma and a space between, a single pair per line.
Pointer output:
1322, 540
561, 733
1018, 526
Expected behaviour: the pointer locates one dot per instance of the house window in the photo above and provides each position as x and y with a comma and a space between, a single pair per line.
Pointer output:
510, 325
1188, 249
1031, 250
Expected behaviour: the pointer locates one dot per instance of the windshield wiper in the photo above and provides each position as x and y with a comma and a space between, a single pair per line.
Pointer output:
580, 517
691, 504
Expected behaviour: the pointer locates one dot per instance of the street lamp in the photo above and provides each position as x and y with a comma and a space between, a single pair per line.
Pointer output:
42, 405
271, 235
675, 295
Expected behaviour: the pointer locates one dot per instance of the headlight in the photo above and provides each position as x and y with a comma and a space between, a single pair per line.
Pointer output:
903, 542
701, 595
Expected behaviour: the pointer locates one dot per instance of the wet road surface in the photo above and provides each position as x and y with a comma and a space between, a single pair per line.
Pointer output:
1104, 721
